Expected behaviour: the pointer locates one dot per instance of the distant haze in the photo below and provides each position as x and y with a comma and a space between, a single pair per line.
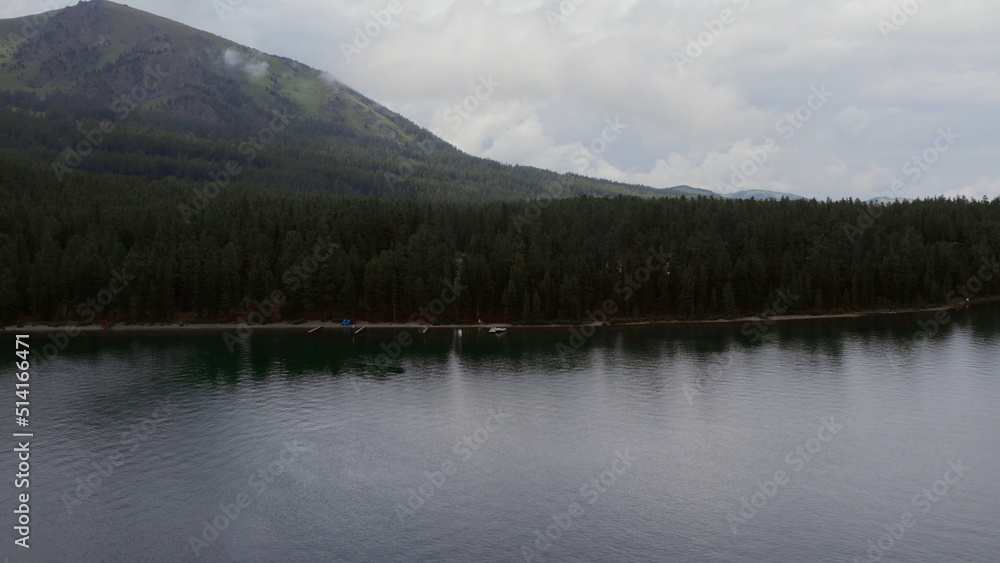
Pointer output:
821, 99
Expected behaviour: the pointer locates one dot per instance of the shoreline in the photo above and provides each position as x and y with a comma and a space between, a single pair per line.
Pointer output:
306, 327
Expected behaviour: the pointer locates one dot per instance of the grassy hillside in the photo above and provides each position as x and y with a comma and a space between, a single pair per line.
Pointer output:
183, 103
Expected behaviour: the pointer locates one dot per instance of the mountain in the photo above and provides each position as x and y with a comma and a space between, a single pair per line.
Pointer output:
102, 87
693, 192
761, 194
152, 111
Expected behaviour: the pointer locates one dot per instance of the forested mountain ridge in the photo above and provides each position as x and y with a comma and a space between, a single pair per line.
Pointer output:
202, 177
65, 247
107, 88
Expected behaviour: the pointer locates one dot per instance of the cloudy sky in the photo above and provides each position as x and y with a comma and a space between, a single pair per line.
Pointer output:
823, 99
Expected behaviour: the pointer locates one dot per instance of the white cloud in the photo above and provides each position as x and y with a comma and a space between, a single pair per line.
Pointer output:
232, 58
253, 66
608, 59
989, 187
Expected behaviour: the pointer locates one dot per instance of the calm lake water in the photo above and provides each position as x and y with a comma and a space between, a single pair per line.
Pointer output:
835, 441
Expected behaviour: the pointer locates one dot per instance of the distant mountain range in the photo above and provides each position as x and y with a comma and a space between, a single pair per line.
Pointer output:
105, 88
761, 194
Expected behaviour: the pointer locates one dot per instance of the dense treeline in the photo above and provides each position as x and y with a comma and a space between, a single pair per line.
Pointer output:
108, 246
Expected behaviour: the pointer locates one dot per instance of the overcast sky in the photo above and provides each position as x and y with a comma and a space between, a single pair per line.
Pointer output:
904, 95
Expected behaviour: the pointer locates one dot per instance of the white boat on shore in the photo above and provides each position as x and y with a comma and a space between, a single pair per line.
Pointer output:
498, 330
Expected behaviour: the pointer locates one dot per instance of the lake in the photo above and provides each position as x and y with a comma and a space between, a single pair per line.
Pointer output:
842, 440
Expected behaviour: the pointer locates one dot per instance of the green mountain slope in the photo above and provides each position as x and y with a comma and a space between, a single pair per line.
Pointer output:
102, 87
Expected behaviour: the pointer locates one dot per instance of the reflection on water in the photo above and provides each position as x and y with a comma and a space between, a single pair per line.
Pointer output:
677, 443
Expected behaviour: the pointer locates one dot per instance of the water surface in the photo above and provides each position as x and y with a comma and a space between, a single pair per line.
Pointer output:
641, 446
